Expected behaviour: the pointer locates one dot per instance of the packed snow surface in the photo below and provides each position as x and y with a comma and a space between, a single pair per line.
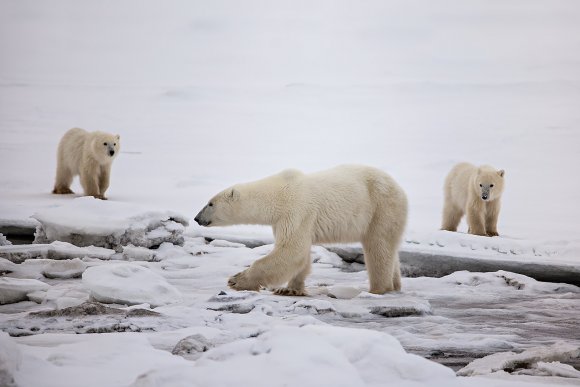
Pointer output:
129, 284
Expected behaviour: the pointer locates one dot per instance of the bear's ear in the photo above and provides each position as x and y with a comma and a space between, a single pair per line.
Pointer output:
501, 172
233, 194
118, 136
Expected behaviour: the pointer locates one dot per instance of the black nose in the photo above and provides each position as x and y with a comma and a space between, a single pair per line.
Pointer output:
111, 152
196, 220
484, 197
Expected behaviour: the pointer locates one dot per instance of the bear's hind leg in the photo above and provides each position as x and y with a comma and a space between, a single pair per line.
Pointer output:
397, 275
451, 216
380, 264
63, 181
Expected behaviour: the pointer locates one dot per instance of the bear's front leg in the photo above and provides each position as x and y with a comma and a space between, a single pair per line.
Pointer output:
243, 281
90, 180
283, 264
104, 179
296, 285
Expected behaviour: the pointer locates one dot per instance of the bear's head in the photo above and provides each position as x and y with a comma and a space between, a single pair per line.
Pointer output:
105, 146
224, 209
489, 183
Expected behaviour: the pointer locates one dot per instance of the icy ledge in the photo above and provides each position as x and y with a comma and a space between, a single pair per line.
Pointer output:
90, 222
533, 361
15, 289
55, 250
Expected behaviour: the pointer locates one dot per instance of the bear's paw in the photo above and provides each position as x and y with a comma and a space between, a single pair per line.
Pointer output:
290, 292
242, 281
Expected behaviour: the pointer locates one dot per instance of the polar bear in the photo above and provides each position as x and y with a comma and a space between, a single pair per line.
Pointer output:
475, 191
89, 155
345, 204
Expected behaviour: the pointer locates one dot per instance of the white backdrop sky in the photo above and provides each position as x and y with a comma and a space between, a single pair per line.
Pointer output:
207, 94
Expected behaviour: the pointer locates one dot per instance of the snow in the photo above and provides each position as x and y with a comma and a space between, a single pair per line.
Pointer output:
10, 359
208, 94
136, 253
344, 292
345, 357
65, 269
71, 362
4, 241
555, 368
129, 284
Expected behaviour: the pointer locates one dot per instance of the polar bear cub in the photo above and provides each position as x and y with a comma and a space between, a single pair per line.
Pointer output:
89, 155
475, 191
345, 204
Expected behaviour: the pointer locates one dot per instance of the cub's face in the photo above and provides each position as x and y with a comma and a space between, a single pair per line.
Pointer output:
106, 146
489, 184
222, 210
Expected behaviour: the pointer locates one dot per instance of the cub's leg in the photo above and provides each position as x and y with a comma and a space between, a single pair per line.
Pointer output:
90, 180
491, 216
64, 178
451, 216
475, 217
104, 178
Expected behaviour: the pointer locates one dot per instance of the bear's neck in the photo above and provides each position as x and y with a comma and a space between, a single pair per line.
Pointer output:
262, 203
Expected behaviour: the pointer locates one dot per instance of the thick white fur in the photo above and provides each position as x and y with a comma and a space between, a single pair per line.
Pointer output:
86, 154
464, 187
345, 204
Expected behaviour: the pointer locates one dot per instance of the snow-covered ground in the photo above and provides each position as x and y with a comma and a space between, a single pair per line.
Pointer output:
207, 94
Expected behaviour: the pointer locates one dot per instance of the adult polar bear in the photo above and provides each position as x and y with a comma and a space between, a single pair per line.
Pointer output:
345, 204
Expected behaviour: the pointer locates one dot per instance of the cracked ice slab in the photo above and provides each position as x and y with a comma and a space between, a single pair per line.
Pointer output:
15, 289
55, 250
528, 359
87, 221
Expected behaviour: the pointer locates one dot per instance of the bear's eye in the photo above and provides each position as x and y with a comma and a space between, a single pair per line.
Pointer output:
491, 185
115, 144
211, 204
481, 185
105, 144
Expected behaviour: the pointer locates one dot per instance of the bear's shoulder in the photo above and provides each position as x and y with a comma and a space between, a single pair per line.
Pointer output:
291, 174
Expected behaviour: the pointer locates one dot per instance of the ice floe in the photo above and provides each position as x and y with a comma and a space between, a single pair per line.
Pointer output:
532, 358
17, 289
123, 283
87, 221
